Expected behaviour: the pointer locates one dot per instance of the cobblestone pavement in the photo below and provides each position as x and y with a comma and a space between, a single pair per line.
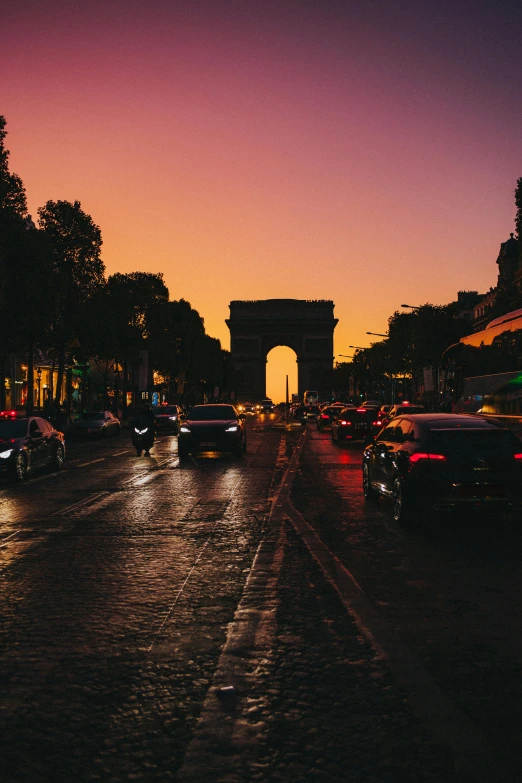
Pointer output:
254, 619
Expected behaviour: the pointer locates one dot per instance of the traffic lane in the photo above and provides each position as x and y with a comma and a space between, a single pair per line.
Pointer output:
111, 628
448, 588
47, 501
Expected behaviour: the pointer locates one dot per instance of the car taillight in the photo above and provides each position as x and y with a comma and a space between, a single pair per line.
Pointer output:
376, 423
517, 456
324, 416
421, 455
8, 414
346, 423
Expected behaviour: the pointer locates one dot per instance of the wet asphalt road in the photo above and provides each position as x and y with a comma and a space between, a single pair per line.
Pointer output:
358, 651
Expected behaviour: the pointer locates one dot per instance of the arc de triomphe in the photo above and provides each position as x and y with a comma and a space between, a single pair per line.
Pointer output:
305, 326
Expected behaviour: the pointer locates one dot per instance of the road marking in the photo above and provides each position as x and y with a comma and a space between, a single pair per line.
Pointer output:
4, 540
83, 464
79, 504
119, 453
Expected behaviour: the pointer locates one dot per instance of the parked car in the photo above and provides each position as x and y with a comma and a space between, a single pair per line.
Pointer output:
443, 461
212, 428
167, 418
27, 444
326, 415
98, 424
355, 424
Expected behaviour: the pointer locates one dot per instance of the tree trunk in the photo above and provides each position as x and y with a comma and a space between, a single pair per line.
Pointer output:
30, 382
3, 361
59, 377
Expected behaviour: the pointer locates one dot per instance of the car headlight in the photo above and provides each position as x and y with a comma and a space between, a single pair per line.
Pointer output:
173, 418
184, 429
6, 454
234, 428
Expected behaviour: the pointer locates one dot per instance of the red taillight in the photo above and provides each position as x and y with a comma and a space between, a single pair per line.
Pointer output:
420, 455
8, 414
362, 410
376, 423
344, 423
517, 456
324, 416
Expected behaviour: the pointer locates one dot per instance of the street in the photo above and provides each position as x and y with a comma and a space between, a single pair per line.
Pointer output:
250, 619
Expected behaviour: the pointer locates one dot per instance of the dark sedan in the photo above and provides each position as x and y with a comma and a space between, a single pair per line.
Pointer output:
443, 461
98, 424
28, 444
353, 424
212, 428
167, 418
327, 415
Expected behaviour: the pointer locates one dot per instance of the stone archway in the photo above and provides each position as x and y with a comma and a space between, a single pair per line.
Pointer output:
305, 326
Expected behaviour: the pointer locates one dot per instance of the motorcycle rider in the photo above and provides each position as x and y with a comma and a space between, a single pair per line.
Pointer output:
146, 419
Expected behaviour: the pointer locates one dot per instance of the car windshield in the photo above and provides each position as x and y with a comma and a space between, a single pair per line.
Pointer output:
410, 409
212, 413
12, 429
490, 443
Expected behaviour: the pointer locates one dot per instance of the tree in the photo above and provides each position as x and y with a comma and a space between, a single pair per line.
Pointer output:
76, 245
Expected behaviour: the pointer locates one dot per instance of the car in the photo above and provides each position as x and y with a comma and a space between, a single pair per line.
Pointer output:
97, 424
310, 412
167, 417
326, 415
267, 406
27, 444
355, 424
443, 461
212, 428
400, 408
248, 408
371, 404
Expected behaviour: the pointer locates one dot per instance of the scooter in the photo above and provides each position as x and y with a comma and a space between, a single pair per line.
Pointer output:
142, 439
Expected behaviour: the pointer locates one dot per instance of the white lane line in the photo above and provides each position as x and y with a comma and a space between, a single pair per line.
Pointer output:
4, 540
79, 504
119, 453
83, 464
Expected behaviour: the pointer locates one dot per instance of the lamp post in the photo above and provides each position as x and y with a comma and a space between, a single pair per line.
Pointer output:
39, 382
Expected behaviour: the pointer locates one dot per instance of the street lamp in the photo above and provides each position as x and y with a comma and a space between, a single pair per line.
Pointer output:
377, 334
39, 382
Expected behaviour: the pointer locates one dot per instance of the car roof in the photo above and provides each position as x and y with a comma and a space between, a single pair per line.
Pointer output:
426, 418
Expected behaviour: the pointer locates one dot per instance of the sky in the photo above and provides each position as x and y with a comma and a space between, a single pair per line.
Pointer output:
362, 151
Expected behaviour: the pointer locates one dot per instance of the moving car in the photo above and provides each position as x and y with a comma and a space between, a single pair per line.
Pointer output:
443, 461
27, 444
353, 424
403, 407
267, 406
98, 424
167, 418
248, 408
327, 414
212, 428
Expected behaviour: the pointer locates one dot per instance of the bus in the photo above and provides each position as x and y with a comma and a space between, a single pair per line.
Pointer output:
310, 397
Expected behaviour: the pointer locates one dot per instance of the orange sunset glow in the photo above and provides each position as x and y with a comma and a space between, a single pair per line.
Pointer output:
364, 153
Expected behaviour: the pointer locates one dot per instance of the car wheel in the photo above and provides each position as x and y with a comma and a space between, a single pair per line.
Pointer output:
368, 491
404, 512
59, 458
20, 468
